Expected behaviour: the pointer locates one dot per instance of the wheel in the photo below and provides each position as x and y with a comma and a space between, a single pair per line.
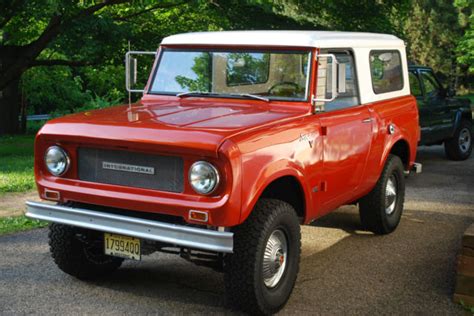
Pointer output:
79, 252
380, 210
261, 273
459, 147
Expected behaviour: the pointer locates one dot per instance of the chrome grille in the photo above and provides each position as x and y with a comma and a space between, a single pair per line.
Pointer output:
163, 173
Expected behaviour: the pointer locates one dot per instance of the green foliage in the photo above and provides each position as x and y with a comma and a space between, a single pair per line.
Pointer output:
16, 163
95, 103
465, 46
32, 127
470, 97
467, 307
19, 223
49, 89
431, 31
347, 15
439, 34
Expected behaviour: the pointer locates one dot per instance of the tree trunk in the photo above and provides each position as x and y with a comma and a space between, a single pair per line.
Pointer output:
10, 101
10, 105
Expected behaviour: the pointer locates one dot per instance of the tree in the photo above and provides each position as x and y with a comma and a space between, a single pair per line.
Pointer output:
54, 32
431, 31
347, 15
465, 46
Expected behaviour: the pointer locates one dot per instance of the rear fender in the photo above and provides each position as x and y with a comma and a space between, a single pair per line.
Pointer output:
396, 137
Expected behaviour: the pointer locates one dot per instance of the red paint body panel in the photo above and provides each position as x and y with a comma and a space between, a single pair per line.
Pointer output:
336, 157
170, 127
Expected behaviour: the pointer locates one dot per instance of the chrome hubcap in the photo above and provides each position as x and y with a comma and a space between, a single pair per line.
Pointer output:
391, 195
274, 258
464, 140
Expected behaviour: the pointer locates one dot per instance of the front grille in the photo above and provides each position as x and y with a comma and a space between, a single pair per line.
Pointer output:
163, 173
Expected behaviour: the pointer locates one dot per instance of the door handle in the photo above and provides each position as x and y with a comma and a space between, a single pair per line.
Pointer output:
367, 120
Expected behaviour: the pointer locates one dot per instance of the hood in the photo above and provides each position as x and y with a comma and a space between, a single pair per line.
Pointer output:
183, 125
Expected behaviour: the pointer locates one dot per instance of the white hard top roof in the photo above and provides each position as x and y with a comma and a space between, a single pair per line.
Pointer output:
321, 39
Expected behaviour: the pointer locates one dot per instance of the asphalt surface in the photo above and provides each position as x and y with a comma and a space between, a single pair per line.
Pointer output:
344, 270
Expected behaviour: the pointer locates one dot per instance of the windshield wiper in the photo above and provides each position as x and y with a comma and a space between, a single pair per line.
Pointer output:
252, 96
191, 93
246, 95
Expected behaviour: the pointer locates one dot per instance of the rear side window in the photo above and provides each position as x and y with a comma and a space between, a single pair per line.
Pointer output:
431, 85
415, 86
386, 71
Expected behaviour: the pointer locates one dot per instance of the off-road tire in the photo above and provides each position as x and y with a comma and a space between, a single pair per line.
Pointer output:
452, 146
245, 287
79, 252
372, 207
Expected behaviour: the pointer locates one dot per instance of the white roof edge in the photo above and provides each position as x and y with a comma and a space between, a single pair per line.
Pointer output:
320, 39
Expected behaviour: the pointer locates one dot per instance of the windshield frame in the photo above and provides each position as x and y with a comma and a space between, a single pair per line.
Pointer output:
184, 48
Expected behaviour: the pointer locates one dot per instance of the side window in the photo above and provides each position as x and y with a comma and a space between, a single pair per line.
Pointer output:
386, 71
431, 85
415, 85
344, 99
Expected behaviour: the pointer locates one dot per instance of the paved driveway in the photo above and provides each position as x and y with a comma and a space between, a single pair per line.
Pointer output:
343, 269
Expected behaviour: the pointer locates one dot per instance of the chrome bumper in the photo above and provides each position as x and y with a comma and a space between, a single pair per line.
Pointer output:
178, 235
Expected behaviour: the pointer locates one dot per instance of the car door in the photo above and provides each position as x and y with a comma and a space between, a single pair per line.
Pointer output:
423, 108
347, 135
435, 102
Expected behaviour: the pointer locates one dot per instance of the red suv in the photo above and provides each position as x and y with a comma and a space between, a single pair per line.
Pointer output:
238, 139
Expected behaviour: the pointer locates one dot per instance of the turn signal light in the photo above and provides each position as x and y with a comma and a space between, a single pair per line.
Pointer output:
198, 216
51, 195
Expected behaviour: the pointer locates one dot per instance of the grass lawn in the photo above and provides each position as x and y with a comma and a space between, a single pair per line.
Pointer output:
18, 223
16, 175
16, 163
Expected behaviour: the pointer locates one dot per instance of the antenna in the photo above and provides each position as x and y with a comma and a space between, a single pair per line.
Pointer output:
129, 92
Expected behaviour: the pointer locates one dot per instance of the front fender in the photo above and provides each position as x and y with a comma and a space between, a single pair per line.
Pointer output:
262, 178
457, 122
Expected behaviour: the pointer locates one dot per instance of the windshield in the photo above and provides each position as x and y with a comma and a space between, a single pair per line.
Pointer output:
264, 75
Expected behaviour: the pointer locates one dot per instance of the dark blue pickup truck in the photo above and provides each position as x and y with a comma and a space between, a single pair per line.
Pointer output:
443, 118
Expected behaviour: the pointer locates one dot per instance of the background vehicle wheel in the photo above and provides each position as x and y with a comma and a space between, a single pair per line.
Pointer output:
261, 273
380, 210
79, 252
460, 146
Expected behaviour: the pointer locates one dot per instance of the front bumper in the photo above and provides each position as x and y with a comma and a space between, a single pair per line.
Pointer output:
178, 235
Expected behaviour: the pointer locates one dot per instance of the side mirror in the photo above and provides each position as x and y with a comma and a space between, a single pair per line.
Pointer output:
131, 70
337, 77
332, 75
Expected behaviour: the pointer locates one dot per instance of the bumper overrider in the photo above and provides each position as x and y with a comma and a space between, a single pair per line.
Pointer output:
178, 235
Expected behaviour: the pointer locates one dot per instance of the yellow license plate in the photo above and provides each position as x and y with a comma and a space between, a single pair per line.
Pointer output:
122, 246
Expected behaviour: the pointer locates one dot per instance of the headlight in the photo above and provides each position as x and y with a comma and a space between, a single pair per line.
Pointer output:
56, 160
203, 177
